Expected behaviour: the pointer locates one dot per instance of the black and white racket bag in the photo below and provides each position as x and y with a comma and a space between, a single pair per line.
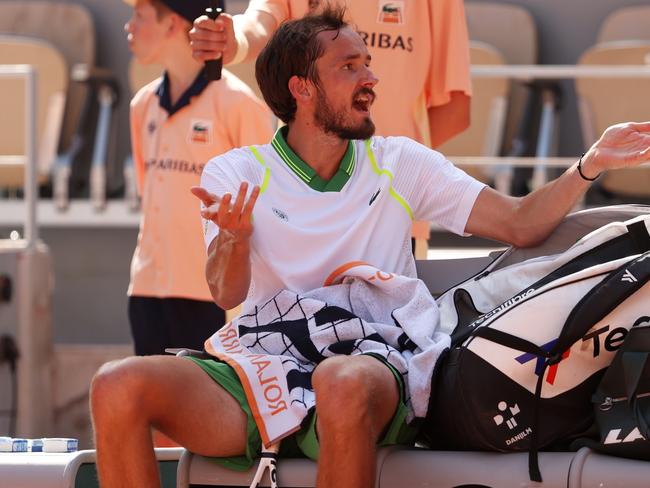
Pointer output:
532, 338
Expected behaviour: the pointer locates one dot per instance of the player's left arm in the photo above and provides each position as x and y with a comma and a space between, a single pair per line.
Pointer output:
528, 220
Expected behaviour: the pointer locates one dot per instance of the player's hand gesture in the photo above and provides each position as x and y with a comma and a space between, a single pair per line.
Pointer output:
620, 146
234, 219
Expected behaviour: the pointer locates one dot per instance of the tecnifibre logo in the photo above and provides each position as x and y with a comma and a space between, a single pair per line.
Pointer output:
504, 306
539, 365
606, 339
629, 277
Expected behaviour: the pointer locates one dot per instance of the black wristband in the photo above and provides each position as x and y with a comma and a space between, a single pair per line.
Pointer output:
582, 175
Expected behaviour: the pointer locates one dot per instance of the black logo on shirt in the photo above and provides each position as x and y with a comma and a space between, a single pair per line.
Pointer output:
280, 214
374, 197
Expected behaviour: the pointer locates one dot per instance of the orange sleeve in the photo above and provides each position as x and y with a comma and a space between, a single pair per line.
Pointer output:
249, 120
279, 9
136, 142
450, 63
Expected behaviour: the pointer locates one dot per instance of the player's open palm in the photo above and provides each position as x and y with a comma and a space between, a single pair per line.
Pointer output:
231, 217
624, 145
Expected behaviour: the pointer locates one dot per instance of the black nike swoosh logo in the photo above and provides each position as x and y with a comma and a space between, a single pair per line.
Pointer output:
374, 197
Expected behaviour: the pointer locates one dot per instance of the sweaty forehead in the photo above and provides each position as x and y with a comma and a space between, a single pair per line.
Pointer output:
342, 44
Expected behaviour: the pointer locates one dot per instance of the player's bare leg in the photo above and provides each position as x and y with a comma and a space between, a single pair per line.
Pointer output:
131, 396
356, 398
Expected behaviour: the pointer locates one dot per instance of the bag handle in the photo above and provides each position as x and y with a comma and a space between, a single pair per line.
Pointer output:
603, 298
639, 417
634, 358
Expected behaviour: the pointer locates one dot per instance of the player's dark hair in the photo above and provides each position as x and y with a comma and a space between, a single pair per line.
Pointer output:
293, 51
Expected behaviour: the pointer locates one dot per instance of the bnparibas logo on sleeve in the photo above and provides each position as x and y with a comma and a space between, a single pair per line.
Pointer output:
391, 12
201, 131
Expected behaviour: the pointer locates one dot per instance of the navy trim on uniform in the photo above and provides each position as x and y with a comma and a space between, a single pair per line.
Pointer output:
195, 89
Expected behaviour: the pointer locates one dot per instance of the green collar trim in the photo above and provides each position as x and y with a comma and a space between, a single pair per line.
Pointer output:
306, 173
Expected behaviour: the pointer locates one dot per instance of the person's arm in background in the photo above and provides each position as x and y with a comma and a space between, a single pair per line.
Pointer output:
449, 79
528, 220
449, 119
228, 267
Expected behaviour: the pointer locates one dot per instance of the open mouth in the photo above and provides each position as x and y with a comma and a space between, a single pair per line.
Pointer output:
362, 101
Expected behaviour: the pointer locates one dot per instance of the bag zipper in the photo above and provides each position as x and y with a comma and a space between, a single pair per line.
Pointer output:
609, 402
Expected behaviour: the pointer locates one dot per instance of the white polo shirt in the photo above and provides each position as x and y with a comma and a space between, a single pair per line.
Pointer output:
306, 229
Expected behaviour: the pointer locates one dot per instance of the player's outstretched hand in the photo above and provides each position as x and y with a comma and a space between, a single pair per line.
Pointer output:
232, 218
621, 146
210, 39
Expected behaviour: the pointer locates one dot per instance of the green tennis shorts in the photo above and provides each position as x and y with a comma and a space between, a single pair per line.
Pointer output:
303, 443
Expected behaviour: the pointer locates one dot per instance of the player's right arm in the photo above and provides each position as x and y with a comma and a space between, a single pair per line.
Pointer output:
249, 31
228, 267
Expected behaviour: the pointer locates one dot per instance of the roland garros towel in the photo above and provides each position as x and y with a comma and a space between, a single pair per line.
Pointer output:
360, 310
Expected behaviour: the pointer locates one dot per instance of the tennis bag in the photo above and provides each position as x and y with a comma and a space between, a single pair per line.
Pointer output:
531, 339
622, 400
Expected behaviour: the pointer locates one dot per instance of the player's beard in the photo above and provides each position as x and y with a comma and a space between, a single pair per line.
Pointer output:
333, 122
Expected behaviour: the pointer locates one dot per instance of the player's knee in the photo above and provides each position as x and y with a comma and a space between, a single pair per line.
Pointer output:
115, 389
342, 391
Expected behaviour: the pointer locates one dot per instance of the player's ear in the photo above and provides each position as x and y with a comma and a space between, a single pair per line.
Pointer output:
300, 88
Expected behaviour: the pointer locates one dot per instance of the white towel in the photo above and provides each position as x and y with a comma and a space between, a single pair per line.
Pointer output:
363, 311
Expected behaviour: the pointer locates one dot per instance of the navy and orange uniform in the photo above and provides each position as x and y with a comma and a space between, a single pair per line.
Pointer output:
171, 144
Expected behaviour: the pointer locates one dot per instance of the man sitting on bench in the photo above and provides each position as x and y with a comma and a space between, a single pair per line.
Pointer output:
325, 192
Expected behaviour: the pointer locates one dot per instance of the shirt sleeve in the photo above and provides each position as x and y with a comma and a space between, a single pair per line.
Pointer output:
250, 122
436, 190
244, 117
279, 9
450, 63
135, 120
